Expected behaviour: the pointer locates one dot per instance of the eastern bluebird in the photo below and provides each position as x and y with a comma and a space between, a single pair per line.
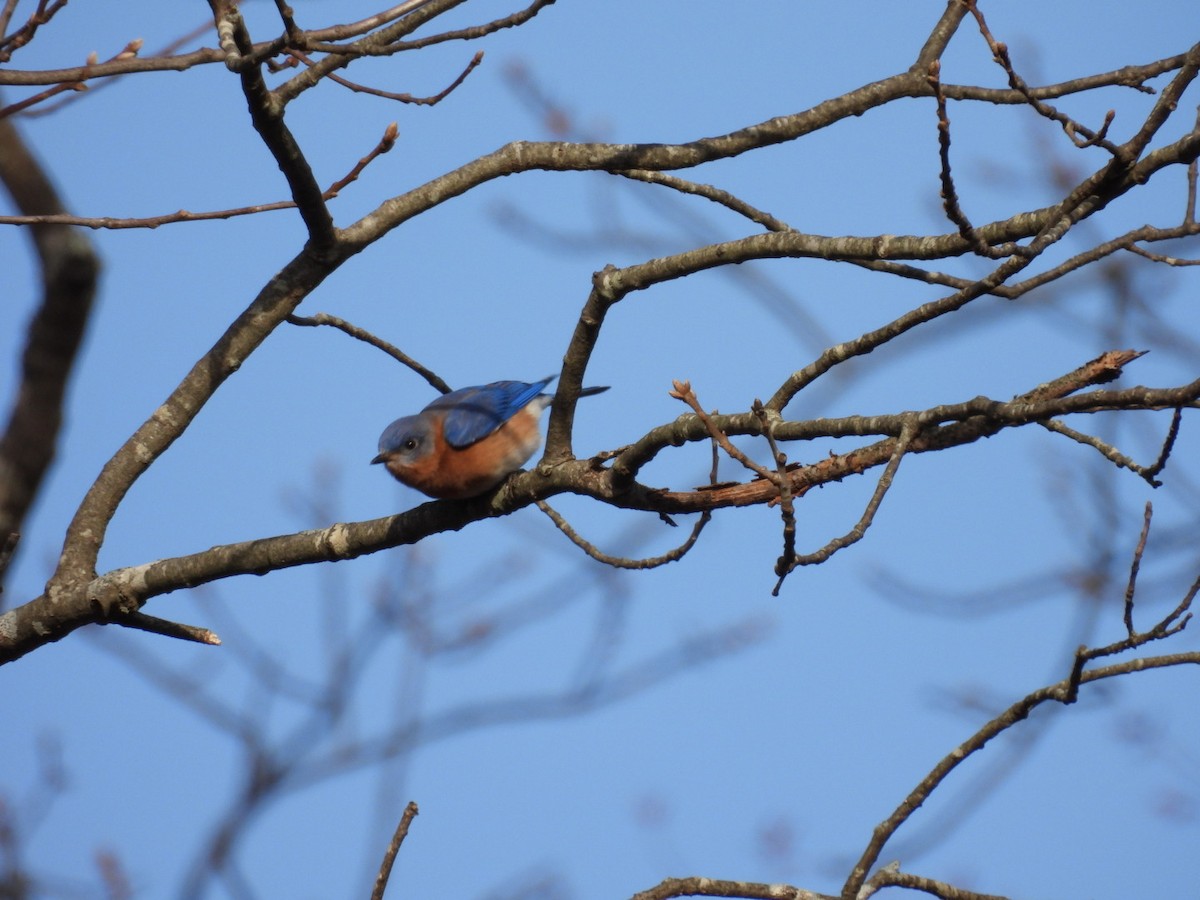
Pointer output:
468, 441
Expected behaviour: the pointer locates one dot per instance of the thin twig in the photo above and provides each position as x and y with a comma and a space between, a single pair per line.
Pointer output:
167, 628
1134, 566
129, 51
1168, 445
1172, 623
384, 44
1127, 241
1112, 454
949, 193
388, 41
856, 534
1069, 126
392, 95
44, 13
708, 192
1015, 713
10, 6
621, 562
385, 144
683, 391
50, 108
1162, 258
389, 858
624, 562
363, 335
116, 224
363, 26
769, 419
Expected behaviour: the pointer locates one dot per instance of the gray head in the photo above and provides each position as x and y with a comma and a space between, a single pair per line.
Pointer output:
406, 441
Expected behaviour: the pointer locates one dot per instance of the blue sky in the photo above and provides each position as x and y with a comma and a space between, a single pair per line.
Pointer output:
834, 699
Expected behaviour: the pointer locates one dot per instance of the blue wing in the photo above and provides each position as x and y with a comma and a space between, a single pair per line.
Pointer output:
475, 412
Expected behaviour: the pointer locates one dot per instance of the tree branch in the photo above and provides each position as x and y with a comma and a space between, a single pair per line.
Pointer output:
69, 270
389, 858
74, 599
719, 887
266, 113
1064, 692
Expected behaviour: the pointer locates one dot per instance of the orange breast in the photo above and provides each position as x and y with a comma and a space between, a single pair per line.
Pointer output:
450, 474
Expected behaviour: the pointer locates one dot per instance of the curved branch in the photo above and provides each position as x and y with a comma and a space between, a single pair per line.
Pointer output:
1017, 712
69, 270
622, 562
789, 562
315, 321
1065, 692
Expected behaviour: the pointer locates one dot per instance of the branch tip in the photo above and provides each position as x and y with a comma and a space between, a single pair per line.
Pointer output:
167, 628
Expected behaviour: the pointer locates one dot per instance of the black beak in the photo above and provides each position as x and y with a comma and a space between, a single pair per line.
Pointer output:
382, 457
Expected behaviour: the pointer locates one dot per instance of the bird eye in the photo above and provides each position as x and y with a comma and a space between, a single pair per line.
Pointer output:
410, 444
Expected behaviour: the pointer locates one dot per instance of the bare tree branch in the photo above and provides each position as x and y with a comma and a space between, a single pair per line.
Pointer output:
389, 858
1065, 692
1010, 717
893, 877
69, 270
266, 112
393, 95
1020, 251
621, 562
10, 43
949, 193
719, 887
391, 350
75, 596
123, 591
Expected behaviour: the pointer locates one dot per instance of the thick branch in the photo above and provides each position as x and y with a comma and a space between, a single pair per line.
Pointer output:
1039, 401
266, 112
76, 598
65, 605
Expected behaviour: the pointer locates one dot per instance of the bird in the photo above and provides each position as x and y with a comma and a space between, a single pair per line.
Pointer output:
466, 442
